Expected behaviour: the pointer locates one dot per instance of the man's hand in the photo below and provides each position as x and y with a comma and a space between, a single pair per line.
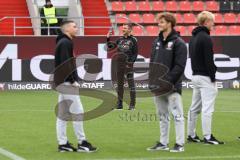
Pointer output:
109, 33
129, 65
76, 84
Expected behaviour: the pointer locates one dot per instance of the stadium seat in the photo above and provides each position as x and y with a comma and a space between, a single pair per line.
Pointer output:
134, 17
185, 6
212, 6
138, 31
15, 8
218, 18
221, 30
238, 18
230, 18
171, 6
130, 6
190, 29
189, 18
148, 18
119, 19
225, 6
152, 30
144, 6
179, 17
117, 6
157, 6
236, 6
234, 30
198, 6
181, 29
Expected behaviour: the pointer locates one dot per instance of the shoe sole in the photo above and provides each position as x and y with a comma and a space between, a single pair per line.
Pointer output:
84, 151
118, 109
211, 143
191, 141
176, 151
62, 151
152, 150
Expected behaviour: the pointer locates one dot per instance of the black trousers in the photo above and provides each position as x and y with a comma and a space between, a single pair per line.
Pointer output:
52, 31
125, 72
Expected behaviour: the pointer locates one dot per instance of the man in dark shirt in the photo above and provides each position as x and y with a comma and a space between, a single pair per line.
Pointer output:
65, 74
127, 51
204, 70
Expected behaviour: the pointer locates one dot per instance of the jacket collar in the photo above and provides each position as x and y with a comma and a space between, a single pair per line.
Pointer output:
173, 35
61, 36
200, 29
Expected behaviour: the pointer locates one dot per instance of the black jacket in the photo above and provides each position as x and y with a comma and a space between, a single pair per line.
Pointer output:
127, 46
65, 65
171, 53
201, 53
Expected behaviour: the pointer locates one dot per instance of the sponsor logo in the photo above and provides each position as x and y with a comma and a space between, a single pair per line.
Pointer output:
169, 46
189, 85
236, 84
10, 52
2, 86
92, 85
29, 86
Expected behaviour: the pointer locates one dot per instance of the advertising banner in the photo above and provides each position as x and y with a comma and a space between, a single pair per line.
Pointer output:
27, 63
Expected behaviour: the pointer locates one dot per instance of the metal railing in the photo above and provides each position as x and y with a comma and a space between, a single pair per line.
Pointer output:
113, 26
36, 2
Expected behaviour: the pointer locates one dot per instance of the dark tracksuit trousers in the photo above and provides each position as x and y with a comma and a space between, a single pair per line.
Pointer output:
124, 72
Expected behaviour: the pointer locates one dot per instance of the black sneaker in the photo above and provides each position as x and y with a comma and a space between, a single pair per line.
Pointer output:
238, 138
119, 105
159, 146
195, 139
177, 148
131, 108
86, 147
66, 148
212, 140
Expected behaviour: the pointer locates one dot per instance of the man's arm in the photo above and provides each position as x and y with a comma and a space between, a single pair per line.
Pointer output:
43, 20
134, 51
68, 61
110, 45
208, 57
180, 58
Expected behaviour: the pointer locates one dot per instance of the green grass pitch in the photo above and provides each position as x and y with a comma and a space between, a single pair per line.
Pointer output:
27, 129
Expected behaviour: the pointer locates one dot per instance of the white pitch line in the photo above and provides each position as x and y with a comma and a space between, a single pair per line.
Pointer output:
34, 110
10, 155
175, 158
43, 110
228, 111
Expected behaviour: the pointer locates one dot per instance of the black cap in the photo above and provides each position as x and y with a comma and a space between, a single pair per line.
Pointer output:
48, 1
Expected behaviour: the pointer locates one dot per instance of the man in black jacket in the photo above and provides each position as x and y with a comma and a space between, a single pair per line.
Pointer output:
204, 69
65, 74
168, 51
127, 51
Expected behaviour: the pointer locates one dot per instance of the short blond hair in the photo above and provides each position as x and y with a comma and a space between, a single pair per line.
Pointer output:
204, 16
